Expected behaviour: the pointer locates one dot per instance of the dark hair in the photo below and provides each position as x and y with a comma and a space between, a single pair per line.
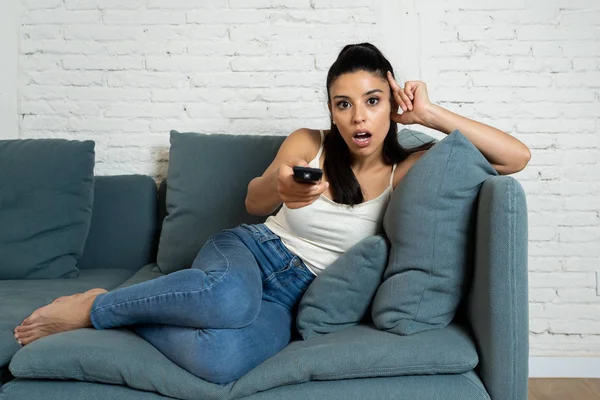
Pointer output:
343, 184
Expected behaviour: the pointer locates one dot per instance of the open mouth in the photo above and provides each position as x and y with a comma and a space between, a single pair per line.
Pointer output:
362, 136
362, 139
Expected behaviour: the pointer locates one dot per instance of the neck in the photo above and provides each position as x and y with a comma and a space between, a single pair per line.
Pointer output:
367, 163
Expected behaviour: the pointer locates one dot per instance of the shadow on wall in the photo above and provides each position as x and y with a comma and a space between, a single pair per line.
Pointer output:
160, 155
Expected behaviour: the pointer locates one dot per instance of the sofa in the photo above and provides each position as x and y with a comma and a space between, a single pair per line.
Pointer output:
481, 354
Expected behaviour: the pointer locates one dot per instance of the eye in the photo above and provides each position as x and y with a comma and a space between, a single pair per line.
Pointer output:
339, 104
373, 98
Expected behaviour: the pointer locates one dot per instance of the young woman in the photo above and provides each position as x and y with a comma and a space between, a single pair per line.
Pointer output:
235, 306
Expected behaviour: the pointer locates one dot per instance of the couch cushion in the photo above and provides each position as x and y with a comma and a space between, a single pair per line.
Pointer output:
119, 356
19, 389
207, 182
124, 230
430, 222
19, 298
465, 386
46, 196
340, 296
414, 387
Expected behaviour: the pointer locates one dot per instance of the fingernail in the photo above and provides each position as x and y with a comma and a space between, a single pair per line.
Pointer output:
20, 342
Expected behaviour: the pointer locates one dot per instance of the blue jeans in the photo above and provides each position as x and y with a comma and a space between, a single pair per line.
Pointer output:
232, 310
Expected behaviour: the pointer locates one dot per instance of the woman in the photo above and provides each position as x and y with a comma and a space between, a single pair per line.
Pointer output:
235, 306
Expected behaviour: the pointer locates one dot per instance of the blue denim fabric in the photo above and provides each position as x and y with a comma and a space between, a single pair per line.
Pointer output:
234, 308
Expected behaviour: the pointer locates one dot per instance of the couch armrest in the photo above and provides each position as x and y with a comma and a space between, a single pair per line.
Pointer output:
498, 302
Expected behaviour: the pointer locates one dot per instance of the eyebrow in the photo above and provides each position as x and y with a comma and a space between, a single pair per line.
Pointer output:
366, 94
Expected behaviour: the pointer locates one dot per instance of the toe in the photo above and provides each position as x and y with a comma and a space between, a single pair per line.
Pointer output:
24, 329
26, 335
29, 320
26, 341
31, 336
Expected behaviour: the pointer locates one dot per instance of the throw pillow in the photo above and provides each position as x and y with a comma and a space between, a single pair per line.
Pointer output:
430, 224
46, 196
340, 296
207, 183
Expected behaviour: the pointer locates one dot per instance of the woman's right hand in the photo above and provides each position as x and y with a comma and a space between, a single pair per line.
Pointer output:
295, 194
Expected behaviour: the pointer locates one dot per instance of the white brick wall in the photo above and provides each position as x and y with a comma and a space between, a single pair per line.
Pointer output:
532, 68
125, 73
9, 114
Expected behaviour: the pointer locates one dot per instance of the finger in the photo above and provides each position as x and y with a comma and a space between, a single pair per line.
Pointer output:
315, 190
396, 89
406, 100
392, 81
410, 88
302, 195
400, 100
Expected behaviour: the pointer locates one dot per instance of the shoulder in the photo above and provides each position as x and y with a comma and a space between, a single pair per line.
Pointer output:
306, 141
405, 166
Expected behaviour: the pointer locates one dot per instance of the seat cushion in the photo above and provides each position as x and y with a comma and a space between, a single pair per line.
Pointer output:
430, 222
414, 387
46, 197
19, 298
340, 296
120, 357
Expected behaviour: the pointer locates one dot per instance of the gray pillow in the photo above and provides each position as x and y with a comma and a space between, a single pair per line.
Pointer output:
46, 196
340, 296
430, 223
207, 182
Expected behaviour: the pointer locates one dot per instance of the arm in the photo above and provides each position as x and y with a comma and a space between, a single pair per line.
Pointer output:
263, 195
505, 152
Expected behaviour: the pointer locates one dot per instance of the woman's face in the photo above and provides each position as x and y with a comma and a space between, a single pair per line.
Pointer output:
360, 101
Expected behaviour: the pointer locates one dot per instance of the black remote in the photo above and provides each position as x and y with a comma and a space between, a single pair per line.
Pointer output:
307, 175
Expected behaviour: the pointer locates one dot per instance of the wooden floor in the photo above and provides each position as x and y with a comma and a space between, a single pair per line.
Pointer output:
564, 389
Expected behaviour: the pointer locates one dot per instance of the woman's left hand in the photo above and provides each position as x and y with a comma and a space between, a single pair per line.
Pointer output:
413, 99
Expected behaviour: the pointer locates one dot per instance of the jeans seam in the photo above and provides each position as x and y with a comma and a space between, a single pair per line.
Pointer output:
267, 236
278, 250
168, 293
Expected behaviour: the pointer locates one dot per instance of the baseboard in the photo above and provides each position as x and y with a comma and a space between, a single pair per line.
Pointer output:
564, 367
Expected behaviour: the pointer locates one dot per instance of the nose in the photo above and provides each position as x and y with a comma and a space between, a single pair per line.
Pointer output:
359, 115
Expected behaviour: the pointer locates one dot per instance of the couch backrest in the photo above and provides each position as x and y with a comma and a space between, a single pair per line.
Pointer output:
251, 161
124, 229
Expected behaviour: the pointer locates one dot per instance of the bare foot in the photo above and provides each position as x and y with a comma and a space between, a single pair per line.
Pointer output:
63, 314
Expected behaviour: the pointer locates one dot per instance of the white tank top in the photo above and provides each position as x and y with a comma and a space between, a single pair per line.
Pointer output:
322, 231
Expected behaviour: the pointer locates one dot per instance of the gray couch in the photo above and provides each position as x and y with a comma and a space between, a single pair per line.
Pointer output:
482, 354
